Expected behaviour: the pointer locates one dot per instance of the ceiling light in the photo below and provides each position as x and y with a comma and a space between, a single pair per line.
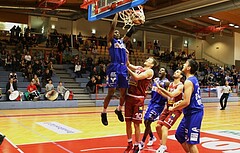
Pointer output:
214, 19
236, 26
231, 24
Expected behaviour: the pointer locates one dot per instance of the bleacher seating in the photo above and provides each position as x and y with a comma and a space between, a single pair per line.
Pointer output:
21, 84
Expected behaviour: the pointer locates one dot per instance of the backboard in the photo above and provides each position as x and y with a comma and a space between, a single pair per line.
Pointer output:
103, 8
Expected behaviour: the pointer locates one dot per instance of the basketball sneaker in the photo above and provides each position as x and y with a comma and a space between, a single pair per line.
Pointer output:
119, 114
161, 149
129, 147
141, 145
1, 138
136, 149
151, 141
104, 119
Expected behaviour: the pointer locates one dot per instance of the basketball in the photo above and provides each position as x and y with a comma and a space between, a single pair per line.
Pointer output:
138, 18
138, 21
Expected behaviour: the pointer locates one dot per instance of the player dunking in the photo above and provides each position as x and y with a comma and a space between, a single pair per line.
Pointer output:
139, 81
167, 118
188, 131
117, 73
155, 107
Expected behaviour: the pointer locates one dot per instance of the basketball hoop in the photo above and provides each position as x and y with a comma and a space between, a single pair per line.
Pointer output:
132, 16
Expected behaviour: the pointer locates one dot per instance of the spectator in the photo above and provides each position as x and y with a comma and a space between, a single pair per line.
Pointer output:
29, 73
61, 90
32, 92
91, 85
28, 58
37, 68
50, 67
10, 87
77, 70
36, 82
46, 77
13, 75
94, 72
49, 86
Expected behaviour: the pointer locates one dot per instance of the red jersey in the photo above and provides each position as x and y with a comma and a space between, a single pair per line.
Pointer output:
31, 88
171, 88
138, 88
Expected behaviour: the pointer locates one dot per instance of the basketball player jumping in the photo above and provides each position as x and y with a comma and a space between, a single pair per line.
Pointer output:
117, 73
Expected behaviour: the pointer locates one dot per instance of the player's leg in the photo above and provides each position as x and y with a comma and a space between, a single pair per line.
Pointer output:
221, 102
129, 136
180, 135
160, 128
122, 82
193, 148
193, 125
118, 111
154, 114
128, 119
168, 123
105, 105
225, 101
137, 119
137, 137
108, 98
146, 131
122, 97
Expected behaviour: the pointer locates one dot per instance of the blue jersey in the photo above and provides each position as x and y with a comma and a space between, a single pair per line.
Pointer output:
195, 101
117, 52
156, 97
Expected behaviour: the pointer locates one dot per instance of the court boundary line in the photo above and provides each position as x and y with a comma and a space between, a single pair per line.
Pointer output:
15, 146
40, 135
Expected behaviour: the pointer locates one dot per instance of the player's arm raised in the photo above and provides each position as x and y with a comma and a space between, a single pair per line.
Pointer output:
173, 94
129, 33
130, 66
147, 74
188, 89
113, 26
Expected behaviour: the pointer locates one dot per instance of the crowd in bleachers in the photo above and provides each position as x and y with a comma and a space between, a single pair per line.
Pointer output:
208, 74
90, 58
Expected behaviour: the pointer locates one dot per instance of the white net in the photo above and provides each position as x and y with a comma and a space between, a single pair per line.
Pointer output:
132, 16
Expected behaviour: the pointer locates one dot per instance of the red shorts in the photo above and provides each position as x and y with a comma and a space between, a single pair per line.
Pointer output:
168, 118
134, 109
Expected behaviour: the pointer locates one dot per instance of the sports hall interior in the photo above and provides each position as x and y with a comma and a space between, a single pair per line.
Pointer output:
59, 35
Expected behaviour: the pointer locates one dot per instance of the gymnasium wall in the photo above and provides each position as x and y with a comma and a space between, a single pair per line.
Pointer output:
219, 50
236, 46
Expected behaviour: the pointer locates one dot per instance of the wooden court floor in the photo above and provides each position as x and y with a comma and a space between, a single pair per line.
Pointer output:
75, 130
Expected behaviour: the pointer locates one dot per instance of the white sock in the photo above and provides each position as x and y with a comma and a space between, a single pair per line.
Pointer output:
119, 108
130, 140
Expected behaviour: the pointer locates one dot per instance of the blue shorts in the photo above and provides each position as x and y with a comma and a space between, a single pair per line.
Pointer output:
153, 111
117, 76
189, 128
